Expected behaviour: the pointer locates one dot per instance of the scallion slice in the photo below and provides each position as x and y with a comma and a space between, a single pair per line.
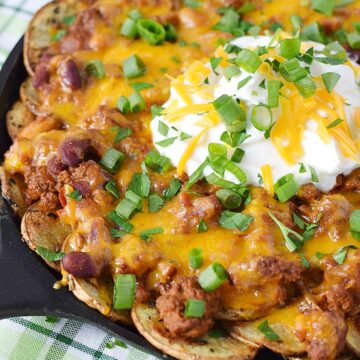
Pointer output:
238, 155
120, 222
234, 220
306, 87
135, 14
231, 112
122, 134
229, 199
140, 185
112, 160
156, 162
212, 277
273, 88
196, 258
330, 80
292, 71
334, 123
261, 117
231, 71
173, 189
49, 255
151, 31
112, 188
129, 28
202, 227
156, 202
137, 102
123, 104
286, 187
196, 175
133, 66
324, 6
290, 48
340, 255
146, 234
354, 223
95, 68
75, 195
170, 33
248, 60
195, 308
124, 291
269, 333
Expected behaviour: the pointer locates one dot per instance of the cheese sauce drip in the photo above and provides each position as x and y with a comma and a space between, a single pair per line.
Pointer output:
301, 136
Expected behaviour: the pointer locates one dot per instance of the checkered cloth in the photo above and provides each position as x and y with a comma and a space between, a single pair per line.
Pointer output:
34, 338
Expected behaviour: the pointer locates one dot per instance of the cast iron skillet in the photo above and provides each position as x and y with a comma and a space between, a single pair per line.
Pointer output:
25, 280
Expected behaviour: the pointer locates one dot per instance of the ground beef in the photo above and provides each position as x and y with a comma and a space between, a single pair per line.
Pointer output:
40, 187
171, 305
352, 181
308, 193
340, 290
79, 34
323, 332
192, 209
331, 212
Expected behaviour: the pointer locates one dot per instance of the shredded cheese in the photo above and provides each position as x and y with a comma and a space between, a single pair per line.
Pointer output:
266, 173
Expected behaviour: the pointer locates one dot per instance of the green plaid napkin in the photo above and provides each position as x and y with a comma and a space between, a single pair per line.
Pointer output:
34, 338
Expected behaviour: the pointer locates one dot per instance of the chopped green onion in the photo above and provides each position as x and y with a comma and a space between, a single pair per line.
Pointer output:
324, 6
95, 68
151, 31
341, 254
353, 38
58, 35
166, 142
184, 136
135, 14
215, 62
163, 129
248, 60
49, 255
234, 138
196, 258
133, 67
156, 111
290, 48
330, 80
123, 104
296, 22
112, 160
302, 168
140, 184
138, 86
124, 291
196, 175
238, 155
354, 223
137, 102
146, 234
216, 150
231, 71
75, 195
314, 177
112, 188
202, 227
119, 221
195, 308
292, 71
129, 28
116, 233
231, 112
229, 199
334, 123
306, 87
170, 33
243, 82
261, 117
122, 134
229, 22
127, 208
192, 3
293, 240
286, 187
273, 88
304, 261
212, 277
299, 221
269, 333
233, 220
313, 32
216, 180
156, 162
173, 189
69, 20
155, 203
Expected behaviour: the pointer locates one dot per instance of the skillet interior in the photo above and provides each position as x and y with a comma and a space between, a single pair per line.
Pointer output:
25, 280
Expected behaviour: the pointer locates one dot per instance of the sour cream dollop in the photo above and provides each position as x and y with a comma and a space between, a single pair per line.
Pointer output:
324, 153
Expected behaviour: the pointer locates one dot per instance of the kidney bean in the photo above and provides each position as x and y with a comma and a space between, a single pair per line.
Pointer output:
82, 186
70, 75
55, 166
41, 76
86, 265
72, 151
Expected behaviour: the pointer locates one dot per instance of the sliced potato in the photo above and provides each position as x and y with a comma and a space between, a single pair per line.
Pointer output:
353, 337
30, 97
248, 332
97, 294
38, 36
40, 228
12, 188
18, 118
146, 320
